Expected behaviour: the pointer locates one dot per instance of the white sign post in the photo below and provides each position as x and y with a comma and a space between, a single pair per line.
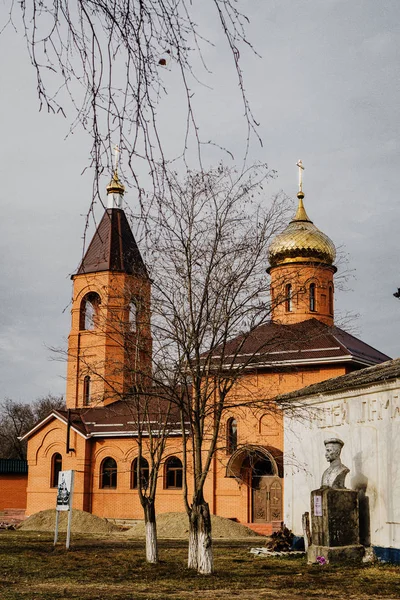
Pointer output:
65, 492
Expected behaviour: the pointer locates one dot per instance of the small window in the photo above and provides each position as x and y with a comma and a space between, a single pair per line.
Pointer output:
312, 298
144, 474
132, 316
56, 468
173, 473
330, 300
108, 474
89, 311
86, 390
288, 297
231, 436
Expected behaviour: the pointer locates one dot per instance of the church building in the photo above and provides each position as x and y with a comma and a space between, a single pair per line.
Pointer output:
111, 330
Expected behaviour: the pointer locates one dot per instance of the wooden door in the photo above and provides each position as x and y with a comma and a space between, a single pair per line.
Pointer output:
267, 499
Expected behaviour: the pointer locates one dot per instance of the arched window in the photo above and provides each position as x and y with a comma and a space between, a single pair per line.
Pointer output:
89, 311
173, 473
86, 390
260, 468
269, 425
108, 473
144, 474
56, 468
312, 297
133, 315
330, 300
231, 436
288, 297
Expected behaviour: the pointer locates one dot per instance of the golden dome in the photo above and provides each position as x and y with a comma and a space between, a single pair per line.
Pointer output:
301, 241
115, 186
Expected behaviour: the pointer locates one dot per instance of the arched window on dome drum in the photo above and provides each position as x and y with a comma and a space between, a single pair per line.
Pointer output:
89, 311
288, 297
56, 468
231, 436
330, 300
108, 473
312, 297
144, 474
173, 473
86, 390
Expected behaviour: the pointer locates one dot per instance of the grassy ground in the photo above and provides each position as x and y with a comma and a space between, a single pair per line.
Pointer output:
112, 568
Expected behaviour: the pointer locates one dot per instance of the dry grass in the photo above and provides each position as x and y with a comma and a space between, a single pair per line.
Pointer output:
113, 568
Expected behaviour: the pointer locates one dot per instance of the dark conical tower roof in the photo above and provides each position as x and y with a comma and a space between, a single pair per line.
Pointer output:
113, 247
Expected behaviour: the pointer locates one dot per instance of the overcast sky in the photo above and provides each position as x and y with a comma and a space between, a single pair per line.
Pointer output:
326, 89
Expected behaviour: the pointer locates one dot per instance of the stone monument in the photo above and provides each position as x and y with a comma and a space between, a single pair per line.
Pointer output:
334, 513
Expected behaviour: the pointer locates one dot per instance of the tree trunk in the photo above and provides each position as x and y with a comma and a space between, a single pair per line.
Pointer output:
193, 541
200, 541
151, 533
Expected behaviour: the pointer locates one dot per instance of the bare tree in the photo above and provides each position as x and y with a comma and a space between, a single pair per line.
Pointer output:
43, 406
109, 63
208, 253
153, 423
16, 418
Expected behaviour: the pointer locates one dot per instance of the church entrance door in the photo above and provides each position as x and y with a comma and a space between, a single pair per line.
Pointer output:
267, 499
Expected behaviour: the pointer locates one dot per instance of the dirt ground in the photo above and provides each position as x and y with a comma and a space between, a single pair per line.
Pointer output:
112, 567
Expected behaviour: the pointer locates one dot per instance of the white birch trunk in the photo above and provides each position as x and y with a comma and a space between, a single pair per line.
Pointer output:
151, 543
193, 546
205, 560
200, 555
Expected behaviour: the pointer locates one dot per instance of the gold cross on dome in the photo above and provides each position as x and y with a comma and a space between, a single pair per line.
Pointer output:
116, 158
301, 169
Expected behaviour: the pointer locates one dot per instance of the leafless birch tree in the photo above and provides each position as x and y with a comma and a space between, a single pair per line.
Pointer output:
152, 420
208, 257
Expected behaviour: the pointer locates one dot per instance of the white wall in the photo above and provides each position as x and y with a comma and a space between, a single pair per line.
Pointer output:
368, 421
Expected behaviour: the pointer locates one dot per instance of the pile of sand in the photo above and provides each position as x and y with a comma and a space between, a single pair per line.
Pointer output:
82, 522
176, 525
169, 525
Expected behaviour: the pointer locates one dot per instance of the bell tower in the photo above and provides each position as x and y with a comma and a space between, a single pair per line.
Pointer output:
301, 268
109, 345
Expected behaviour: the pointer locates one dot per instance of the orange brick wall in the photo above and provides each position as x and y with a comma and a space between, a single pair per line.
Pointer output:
300, 276
101, 353
122, 502
227, 497
256, 425
13, 491
41, 447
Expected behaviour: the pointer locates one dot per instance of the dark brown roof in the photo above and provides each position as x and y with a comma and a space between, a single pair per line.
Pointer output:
307, 342
386, 371
116, 419
113, 247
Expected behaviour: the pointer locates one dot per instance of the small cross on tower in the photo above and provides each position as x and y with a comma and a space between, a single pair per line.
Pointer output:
301, 169
116, 157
